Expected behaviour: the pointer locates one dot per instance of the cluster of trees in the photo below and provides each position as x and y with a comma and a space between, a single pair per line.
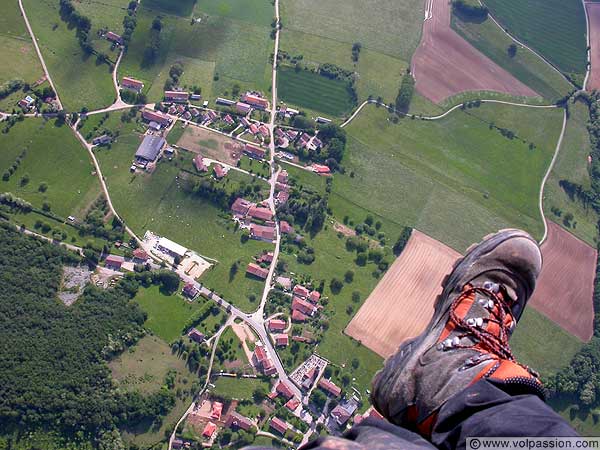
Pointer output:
151, 51
356, 47
306, 209
334, 139
405, 95
15, 202
53, 364
129, 23
220, 193
83, 24
402, 240
10, 87
334, 72
175, 73
94, 225
14, 166
470, 10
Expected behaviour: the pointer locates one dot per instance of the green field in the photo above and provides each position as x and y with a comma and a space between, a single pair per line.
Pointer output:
157, 203
181, 8
554, 28
238, 388
427, 174
53, 156
216, 54
572, 165
527, 67
79, 79
310, 90
543, 345
258, 12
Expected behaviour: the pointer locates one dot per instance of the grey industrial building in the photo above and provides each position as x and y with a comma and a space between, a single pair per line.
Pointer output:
149, 148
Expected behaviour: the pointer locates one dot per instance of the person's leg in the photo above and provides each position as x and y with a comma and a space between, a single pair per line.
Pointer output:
444, 383
485, 409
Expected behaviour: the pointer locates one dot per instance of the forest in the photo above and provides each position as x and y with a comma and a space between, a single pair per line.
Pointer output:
53, 371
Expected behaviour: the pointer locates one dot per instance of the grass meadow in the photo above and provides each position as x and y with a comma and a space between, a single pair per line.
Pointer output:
554, 28
217, 53
52, 156
79, 79
257, 12
427, 174
156, 202
572, 165
238, 388
311, 90
527, 67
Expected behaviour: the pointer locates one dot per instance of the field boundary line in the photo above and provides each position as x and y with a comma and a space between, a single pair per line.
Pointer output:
588, 51
550, 167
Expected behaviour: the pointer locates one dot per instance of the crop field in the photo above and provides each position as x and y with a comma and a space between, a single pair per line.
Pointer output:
458, 164
445, 64
308, 89
79, 79
554, 28
566, 285
210, 145
156, 202
525, 66
216, 53
386, 26
258, 12
401, 305
379, 74
572, 165
52, 156
181, 8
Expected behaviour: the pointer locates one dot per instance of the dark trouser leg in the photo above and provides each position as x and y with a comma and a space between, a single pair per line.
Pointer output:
485, 409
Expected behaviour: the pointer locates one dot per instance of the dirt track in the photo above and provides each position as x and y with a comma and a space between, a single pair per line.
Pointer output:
566, 284
401, 305
445, 64
593, 10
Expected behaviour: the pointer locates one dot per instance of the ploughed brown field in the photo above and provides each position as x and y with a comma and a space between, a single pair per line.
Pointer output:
566, 285
401, 304
445, 64
593, 10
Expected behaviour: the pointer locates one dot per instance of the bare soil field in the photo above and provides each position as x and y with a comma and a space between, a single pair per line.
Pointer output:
566, 284
593, 11
211, 145
445, 64
401, 304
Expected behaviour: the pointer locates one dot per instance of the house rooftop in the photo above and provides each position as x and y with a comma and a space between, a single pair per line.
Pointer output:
150, 147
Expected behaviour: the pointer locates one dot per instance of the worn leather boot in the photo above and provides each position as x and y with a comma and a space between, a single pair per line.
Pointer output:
467, 339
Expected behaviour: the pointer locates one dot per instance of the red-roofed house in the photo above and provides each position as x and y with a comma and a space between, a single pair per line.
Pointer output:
321, 169
253, 128
236, 421
258, 212
263, 130
177, 96
219, 171
241, 207
114, 37
282, 197
189, 290
254, 152
314, 297
284, 389
209, 430
292, 404
303, 306
269, 367
140, 255
243, 108
255, 100
114, 262
155, 116
217, 410
196, 336
265, 258
300, 291
282, 177
132, 84
285, 227
278, 425
329, 387
276, 325
297, 316
228, 119
257, 271
199, 164
281, 340
262, 233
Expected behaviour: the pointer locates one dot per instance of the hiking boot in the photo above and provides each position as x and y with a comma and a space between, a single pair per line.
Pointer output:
467, 339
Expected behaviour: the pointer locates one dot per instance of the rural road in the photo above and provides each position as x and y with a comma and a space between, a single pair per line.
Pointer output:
39, 53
